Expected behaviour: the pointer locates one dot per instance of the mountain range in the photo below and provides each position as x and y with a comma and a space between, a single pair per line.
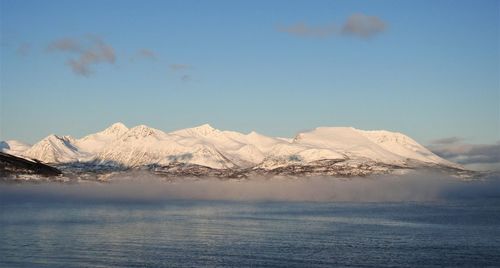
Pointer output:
206, 151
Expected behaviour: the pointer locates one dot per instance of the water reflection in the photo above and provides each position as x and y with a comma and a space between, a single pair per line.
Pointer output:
229, 233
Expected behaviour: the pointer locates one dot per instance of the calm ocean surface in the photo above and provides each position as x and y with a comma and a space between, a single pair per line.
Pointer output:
187, 233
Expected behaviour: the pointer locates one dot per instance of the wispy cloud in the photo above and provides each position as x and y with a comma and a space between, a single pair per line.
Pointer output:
358, 24
85, 52
179, 66
66, 45
182, 69
145, 53
363, 26
186, 78
454, 149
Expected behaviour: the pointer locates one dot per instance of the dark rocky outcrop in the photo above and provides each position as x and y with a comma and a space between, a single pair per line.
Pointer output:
11, 165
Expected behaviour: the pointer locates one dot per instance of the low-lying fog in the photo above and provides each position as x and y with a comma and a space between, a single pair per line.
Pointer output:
141, 187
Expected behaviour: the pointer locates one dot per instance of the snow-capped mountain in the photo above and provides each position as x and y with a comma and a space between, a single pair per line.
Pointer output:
322, 149
93, 143
242, 150
380, 146
143, 145
54, 149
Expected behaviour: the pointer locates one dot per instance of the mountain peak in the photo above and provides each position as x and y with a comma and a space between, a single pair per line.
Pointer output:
205, 127
202, 130
141, 131
256, 135
54, 149
51, 137
116, 128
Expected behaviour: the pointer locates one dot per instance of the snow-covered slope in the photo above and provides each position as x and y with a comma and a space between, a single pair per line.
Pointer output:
143, 145
347, 141
95, 142
243, 150
292, 154
404, 146
210, 147
13, 147
54, 149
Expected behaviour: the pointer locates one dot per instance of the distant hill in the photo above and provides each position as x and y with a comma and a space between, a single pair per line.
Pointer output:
206, 151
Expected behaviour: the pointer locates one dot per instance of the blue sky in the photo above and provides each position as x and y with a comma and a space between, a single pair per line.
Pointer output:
429, 69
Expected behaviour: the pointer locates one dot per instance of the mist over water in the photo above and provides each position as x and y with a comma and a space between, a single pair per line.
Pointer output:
421, 186
141, 220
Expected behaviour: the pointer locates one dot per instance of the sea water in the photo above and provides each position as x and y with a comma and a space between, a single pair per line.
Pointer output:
42, 228
187, 233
